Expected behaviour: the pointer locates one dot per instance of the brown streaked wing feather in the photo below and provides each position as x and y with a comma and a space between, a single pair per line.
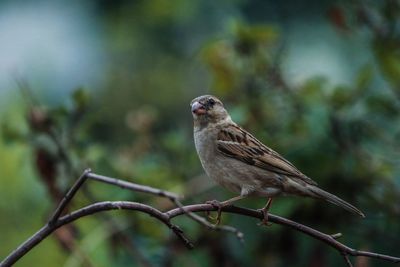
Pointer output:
236, 143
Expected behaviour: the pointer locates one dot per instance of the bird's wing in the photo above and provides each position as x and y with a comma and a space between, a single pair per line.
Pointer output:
234, 142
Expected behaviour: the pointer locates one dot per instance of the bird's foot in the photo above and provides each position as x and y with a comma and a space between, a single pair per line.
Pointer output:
214, 203
218, 205
264, 220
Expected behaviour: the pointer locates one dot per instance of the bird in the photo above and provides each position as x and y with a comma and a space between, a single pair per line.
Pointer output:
239, 162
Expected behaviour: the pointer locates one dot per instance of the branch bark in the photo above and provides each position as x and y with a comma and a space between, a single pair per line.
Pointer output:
56, 221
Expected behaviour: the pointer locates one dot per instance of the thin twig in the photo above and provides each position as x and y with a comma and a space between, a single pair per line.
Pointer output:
68, 196
347, 260
132, 186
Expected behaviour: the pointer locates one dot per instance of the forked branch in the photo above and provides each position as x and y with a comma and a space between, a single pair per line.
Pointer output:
56, 221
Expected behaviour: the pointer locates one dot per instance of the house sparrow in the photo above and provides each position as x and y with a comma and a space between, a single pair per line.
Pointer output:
236, 160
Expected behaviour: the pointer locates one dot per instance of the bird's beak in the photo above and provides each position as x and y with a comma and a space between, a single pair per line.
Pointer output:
198, 108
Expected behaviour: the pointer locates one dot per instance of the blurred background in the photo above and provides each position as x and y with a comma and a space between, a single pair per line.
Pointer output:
107, 85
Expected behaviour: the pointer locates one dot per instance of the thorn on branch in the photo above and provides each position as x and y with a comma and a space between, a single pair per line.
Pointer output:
336, 236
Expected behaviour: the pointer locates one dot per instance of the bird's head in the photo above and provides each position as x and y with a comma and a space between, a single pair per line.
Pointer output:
208, 109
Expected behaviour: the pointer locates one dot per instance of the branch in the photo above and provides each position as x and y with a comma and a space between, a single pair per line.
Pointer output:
347, 260
133, 187
171, 196
86, 211
326, 238
68, 196
56, 221
204, 222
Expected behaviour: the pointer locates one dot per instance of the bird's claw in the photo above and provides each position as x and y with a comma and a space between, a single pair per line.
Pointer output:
218, 205
264, 220
214, 203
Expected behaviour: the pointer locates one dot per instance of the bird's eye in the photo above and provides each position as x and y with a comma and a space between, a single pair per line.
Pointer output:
211, 101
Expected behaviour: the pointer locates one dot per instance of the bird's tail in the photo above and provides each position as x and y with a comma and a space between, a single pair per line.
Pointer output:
319, 193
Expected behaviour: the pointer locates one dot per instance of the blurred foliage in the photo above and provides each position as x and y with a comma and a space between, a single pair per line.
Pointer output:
138, 127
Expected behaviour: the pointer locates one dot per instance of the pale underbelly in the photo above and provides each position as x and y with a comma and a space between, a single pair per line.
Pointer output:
244, 179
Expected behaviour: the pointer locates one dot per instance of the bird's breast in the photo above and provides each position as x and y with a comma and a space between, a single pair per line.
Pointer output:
217, 167
205, 145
